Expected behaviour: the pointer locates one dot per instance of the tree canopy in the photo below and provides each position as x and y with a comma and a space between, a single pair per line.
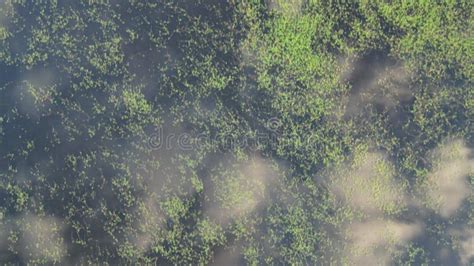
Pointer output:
299, 132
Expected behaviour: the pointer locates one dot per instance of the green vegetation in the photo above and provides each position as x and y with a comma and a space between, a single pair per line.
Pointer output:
298, 132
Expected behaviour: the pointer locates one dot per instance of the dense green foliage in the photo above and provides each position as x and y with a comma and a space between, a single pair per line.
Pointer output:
298, 132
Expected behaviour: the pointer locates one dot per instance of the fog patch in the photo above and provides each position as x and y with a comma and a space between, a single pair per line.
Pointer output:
368, 184
149, 223
241, 189
375, 242
377, 229
446, 186
286, 7
38, 239
7, 11
464, 243
375, 198
4, 230
35, 93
